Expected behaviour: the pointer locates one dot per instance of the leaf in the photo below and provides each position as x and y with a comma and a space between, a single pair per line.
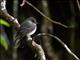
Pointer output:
3, 42
5, 23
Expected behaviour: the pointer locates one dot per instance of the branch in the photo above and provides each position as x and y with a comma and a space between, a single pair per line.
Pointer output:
59, 40
37, 48
78, 4
39, 51
6, 15
14, 21
24, 1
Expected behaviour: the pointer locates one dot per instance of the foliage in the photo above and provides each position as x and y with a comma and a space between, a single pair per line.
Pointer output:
3, 22
3, 39
3, 42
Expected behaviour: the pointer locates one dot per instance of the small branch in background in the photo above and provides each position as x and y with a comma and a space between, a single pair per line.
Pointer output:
15, 14
15, 8
59, 40
78, 3
24, 1
47, 26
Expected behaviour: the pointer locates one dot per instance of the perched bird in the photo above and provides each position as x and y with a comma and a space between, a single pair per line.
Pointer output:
27, 28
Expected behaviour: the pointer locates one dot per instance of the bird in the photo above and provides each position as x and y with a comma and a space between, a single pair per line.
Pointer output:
27, 28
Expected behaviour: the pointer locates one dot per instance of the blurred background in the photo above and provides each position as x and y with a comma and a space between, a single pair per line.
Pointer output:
64, 11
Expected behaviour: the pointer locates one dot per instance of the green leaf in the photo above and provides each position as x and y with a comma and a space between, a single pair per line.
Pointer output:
3, 42
5, 23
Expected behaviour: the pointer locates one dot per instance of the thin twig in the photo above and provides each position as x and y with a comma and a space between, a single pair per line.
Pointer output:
24, 1
59, 40
78, 4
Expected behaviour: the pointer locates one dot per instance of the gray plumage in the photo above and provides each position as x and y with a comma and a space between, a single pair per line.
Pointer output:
28, 27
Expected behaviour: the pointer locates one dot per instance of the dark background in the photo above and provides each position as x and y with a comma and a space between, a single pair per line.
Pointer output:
64, 11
